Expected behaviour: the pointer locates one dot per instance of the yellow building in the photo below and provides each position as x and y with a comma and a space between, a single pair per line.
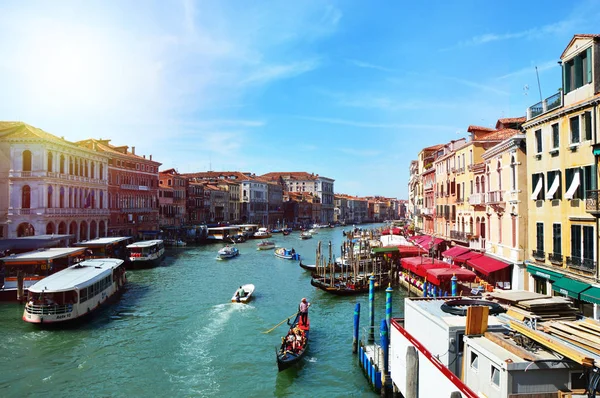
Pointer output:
561, 134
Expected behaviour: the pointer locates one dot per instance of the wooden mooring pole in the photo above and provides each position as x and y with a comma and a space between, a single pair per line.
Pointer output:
412, 372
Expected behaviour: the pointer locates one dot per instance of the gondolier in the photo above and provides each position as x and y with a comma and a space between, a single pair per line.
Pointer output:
303, 310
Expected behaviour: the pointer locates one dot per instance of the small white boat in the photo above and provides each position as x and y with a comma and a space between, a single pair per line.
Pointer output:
313, 231
247, 296
287, 254
262, 233
228, 252
265, 245
75, 292
305, 235
146, 253
175, 242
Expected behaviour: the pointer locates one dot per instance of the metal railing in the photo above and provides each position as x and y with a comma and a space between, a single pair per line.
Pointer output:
476, 199
583, 264
550, 103
538, 255
48, 309
555, 258
591, 202
458, 235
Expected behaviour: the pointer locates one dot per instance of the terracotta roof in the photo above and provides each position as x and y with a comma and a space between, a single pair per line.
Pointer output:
105, 146
499, 135
291, 175
508, 120
472, 128
579, 36
433, 147
222, 175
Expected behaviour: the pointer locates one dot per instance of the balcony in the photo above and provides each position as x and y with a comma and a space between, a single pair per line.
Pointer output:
51, 174
539, 255
544, 106
555, 258
58, 211
458, 235
135, 187
427, 211
495, 197
476, 199
582, 264
591, 203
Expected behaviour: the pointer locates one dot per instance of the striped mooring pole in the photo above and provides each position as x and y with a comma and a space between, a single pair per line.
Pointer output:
388, 306
356, 324
372, 309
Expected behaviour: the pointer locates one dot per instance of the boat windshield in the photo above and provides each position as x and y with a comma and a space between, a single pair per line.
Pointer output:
50, 299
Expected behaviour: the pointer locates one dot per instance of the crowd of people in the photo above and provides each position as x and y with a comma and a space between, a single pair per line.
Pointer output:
294, 341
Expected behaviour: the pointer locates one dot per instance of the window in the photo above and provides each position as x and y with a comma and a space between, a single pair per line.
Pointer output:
495, 376
574, 123
576, 241
26, 160
588, 243
554, 182
577, 71
474, 361
513, 173
539, 236
556, 240
537, 186
555, 136
587, 125
538, 141
589, 180
573, 185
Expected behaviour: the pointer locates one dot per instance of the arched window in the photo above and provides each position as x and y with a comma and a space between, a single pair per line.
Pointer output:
499, 170
71, 166
101, 171
50, 196
477, 184
62, 164
92, 170
482, 181
87, 169
61, 198
50, 162
26, 160
26, 197
101, 204
513, 171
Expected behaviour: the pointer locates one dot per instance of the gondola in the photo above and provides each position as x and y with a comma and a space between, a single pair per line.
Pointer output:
286, 354
342, 288
308, 267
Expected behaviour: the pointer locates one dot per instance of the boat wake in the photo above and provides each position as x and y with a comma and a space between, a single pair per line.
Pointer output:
195, 371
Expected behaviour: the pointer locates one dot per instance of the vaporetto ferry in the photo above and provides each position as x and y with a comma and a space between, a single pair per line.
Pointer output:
146, 253
75, 292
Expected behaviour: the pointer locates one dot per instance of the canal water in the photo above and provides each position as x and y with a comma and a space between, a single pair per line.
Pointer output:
174, 332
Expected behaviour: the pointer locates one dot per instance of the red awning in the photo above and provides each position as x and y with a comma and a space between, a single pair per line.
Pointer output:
439, 275
410, 251
462, 258
429, 242
486, 265
455, 251
395, 231
414, 237
420, 265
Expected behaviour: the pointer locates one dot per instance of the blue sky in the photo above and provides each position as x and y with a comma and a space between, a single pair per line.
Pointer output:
351, 90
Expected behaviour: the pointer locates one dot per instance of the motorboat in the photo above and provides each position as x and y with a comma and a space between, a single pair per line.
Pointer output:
305, 235
265, 245
146, 253
262, 233
246, 296
228, 252
287, 254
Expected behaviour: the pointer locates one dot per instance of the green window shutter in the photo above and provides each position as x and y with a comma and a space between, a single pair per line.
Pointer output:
588, 242
578, 66
576, 241
567, 77
588, 59
588, 125
593, 178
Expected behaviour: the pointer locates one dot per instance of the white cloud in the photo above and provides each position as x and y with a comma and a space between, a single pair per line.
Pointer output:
371, 125
368, 65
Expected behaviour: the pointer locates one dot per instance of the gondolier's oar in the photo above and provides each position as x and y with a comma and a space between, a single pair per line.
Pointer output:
280, 323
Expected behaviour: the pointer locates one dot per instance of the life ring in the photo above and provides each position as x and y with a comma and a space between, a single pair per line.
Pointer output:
457, 307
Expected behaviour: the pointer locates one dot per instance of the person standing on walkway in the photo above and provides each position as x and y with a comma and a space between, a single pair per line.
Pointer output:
303, 309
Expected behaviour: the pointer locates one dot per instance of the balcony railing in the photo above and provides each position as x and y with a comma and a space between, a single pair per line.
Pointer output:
495, 197
476, 199
458, 235
53, 174
583, 264
555, 258
544, 106
59, 211
538, 255
592, 205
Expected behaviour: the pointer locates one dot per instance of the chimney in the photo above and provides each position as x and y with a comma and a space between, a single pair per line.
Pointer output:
144, 156
150, 156
133, 150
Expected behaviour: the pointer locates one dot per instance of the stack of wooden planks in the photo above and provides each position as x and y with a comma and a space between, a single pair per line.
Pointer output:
524, 305
584, 333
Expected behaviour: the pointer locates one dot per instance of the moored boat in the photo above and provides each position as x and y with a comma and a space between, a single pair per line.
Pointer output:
262, 233
146, 253
286, 232
75, 292
248, 290
265, 245
287, 254
228, 252
294, 345
308, 267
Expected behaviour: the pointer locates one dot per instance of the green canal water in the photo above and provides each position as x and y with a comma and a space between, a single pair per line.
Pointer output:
175, 333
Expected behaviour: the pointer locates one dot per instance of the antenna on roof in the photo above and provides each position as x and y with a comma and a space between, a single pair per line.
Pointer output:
538, 79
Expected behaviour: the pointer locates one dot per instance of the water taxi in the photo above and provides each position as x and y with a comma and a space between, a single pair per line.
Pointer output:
227, 252
74, 292
109, 247
262, 233
34, 266
305, 235
146, 253
265, 245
